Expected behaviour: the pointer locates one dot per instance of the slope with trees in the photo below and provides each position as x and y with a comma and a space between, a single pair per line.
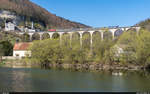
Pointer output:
32, 12
135, 47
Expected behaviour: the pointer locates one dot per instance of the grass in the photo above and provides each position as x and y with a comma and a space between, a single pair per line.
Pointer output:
2, 63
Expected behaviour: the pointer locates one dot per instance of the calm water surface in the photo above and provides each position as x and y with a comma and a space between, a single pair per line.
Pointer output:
38, 80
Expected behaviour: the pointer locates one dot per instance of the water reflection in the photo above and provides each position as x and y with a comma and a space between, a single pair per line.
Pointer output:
15, 80
62, 80
18, 80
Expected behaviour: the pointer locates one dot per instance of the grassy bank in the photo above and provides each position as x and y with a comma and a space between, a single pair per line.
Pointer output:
67, 66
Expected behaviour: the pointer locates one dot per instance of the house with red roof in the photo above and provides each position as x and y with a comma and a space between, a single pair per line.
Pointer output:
21, 49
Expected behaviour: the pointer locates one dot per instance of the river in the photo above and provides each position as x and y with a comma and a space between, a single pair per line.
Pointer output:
39, 80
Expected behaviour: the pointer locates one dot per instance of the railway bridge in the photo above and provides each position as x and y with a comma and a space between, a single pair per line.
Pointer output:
114, 32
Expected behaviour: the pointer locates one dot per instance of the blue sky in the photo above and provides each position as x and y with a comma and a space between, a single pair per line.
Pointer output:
99, 13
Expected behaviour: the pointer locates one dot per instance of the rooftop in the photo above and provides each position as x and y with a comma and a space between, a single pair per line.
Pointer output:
21, 46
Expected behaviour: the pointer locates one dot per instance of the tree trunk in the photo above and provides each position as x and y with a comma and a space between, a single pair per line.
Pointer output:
0, 59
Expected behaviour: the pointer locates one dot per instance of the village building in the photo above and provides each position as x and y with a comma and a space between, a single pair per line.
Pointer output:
20, 50
7, 14
9, 26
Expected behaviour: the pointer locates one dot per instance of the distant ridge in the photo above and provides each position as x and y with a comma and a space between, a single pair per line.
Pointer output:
31, 11
144, 24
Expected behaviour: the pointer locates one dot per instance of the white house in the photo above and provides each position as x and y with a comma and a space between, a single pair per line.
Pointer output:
9, 26
31, 30
21, 50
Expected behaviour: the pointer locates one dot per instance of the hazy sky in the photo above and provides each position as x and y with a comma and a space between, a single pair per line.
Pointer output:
99, 13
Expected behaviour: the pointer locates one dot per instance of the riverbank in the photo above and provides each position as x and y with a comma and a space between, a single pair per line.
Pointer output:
18, 64
94, 67
77, 67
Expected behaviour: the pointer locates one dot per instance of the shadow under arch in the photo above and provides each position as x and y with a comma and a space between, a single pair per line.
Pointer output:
96, 35
25, 37
66, 39
36, 36
45, 36
66, 36
118, 32
97, 45
107, 35
86, 38
76, 39
55, 36
76, 36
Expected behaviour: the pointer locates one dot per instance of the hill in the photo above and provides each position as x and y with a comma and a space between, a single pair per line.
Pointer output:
32, 12
144, 24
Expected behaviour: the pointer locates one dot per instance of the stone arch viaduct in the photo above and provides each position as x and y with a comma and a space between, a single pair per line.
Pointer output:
81, 32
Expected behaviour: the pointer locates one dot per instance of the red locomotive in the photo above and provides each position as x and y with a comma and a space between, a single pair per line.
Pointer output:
51, 30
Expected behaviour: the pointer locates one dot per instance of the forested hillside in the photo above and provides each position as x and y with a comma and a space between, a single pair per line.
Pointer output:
144, 24
31, 11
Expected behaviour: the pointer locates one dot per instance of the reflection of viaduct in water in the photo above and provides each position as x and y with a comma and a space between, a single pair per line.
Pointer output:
114, 31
